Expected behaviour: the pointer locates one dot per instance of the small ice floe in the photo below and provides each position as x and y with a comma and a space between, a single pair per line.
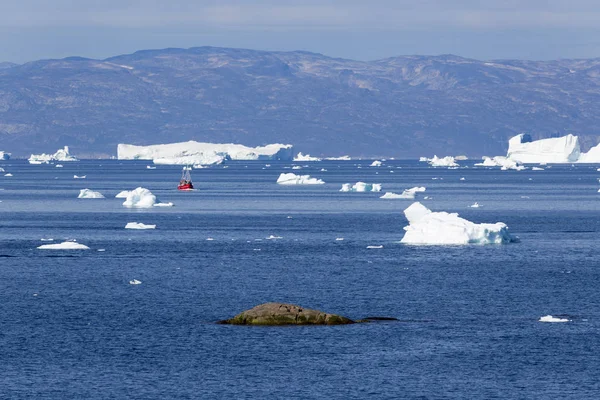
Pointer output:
209, 239
293, 179
376, 163
525, 197
255, 249
550, 318
150, 167
79, 177
141, 198
537, 169
64, 246
187, 168
339, 239
89, 194
361, 187
101, 250
272, 237
296, 167
134, 282
462, 179
58, 166
375, 247
139, 225
407, 194
47, 239
289, 217
323, 170
123, 194
475, 205
199, 166
427, 198
169, 204
442, 228
9, 174
530, 179
267, 165
2, 169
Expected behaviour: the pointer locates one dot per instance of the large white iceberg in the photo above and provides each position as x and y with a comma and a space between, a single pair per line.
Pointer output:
89, 194
591, 157
563, 149
139, 225
361, 187
293, 179
193, 152
64, 246
406, 194
4, 155
427, 227
60, 155
305, 157
141, 198
442, 162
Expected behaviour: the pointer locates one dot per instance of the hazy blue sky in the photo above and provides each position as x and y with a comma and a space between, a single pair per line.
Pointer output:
365, 30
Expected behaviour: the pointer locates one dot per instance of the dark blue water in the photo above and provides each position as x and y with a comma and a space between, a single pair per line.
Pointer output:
71, 326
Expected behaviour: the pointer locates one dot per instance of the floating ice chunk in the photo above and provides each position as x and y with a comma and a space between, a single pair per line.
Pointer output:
139, 225
267, 165
134, 282
500, 161
442, 162
150, 167
342, 158
68, 245
427, 227
47, 239
537, 169
375, 247
462, 179
554, 150
376, 163
101, 250
339, 239
305, 157
140, 198
60, 155
323, 170
210, 239
293, 179
123, 194
79, 177
272, 237
58, 166
296, 167
164, 204
550, 318
361, 187
461, 158
475, 205
407, 194
9, 174
89, 194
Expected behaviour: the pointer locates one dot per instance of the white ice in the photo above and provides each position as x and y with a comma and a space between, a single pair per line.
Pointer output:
123, 194
523, 149
342, 158
550, 318
305, 157
139, 225
376, 163
9, 174
427, 227
79, 177
64, 246
89, 194
537, 169
406, 194
140, 198
272, 237
293, 179
375, 247
500, 161
60, 155
447, 161
135, 282
361, 187
475, 205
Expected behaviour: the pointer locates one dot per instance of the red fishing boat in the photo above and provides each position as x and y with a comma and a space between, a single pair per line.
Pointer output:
185, 183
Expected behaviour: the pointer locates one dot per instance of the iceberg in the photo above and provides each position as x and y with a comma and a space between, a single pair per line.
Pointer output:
140, 198
293, 179
500, 161
550, 318
591, 157
4, 155
564, 149
89, 194
305, 157
447, 161
342, 158
9, 174
193, 152
135, 282
123, 194
60, 155
79, 177
407, 194
442, 228
376, 163
58, 165
139, 225
361, 187
64, 246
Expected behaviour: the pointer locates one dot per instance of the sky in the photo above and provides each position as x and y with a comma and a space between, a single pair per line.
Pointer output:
360, 30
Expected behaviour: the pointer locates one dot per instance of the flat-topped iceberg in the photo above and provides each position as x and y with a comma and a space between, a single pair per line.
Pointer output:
554, 150
293, 179
361, 187
193, 152
141, 198
550, 318
4, 155
341, 158
442, 228
406, 194
139, 225
64, 246
89, 194
60, 155
305, 157
447, 161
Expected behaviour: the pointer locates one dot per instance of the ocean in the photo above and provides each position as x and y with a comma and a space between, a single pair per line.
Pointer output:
72, 327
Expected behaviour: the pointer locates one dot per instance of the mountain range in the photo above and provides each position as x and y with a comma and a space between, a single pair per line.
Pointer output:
400, 107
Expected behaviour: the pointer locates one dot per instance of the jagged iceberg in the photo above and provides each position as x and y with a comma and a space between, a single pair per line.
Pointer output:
64, 246
305, 157
554, 150
376, 163
442, 228
447, 161
407, 194
60, 155
361, 187
139, 225
591, 157
199, 153
500, 161
293, 179
89, 194
141, 198
4, 155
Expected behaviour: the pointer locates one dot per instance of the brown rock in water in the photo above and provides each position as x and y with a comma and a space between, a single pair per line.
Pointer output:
272, 314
